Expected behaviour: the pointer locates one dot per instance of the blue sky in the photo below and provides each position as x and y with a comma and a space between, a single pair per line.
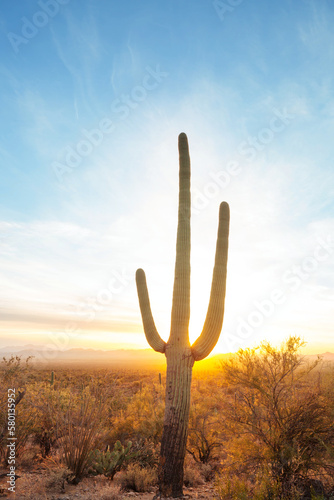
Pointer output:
93, 97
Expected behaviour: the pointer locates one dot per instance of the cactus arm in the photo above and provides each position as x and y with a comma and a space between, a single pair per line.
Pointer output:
214, 318
151, 333
181, 291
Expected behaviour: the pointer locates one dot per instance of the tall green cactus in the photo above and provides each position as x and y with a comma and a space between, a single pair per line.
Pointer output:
179, 353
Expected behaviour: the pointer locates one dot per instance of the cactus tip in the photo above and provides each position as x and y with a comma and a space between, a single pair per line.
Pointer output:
140, 274
224, 210
183, 140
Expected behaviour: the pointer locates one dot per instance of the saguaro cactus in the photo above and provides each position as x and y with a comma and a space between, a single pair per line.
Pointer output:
179, 353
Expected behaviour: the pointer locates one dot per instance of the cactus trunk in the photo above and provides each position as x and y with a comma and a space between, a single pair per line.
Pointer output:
175, 431
179, 354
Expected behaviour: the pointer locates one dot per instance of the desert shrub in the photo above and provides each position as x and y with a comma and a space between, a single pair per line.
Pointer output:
260, 485
57, 478
192, 475
143, 418
82, 422
46, 432
203, 438
50, 404
145, 453
14, 373
28, 456
207, 471
280, 425
138, 479
232, 488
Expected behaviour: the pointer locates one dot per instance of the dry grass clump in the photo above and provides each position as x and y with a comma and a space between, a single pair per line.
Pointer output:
109, 492
28, 456
138, 479
208, 471
192, 475
57, 478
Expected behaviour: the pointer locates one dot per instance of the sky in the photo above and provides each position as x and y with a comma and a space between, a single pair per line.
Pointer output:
93, 96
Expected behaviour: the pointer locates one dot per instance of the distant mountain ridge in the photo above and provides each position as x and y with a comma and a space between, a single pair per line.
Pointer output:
326, 356
88, 356
113, 358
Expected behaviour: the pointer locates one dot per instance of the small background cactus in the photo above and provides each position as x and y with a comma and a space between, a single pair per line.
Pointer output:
109, 462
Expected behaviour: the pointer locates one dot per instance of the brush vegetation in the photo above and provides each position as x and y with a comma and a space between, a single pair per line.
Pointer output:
260, 427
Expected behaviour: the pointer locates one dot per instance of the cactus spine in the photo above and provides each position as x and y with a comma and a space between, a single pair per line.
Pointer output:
179, 353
